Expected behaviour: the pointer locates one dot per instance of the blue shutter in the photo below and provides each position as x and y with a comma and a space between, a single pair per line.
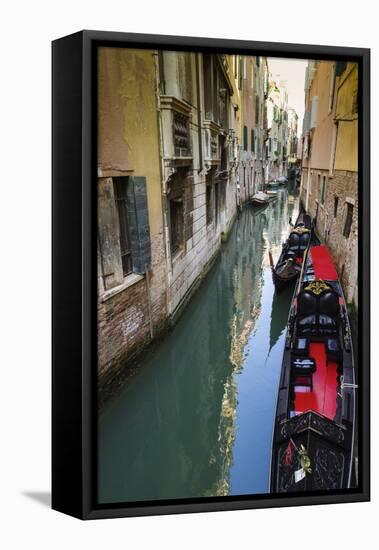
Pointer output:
138, 222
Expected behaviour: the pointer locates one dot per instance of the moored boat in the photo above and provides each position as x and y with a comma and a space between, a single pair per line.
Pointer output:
314, 428
260, 199
288, 266
274, 184
282, 180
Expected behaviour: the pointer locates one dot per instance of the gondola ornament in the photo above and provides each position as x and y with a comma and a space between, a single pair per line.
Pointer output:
317, 287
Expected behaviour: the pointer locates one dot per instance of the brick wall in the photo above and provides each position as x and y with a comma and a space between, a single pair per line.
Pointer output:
330, 227
124, 318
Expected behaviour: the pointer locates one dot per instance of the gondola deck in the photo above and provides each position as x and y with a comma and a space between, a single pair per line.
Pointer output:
313, 437
288, 266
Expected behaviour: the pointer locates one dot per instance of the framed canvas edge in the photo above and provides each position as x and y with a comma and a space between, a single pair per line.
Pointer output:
86, 508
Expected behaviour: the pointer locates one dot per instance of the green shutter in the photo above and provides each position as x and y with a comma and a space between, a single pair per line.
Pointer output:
245, 138
138, 222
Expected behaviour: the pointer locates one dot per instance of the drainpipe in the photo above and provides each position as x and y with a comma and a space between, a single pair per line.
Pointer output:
163, 183
198, 98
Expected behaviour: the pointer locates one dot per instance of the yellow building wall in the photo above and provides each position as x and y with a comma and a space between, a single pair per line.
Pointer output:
322, 134
346, 157
128, 138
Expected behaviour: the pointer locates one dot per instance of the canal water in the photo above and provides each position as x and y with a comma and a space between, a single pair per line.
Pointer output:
197, 418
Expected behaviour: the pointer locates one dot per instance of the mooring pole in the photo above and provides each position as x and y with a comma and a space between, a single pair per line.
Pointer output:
271, 260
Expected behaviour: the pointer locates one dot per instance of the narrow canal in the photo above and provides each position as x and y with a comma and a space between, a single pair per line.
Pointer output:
196, 419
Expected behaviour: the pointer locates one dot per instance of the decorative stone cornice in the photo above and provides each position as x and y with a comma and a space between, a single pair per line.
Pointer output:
175, 104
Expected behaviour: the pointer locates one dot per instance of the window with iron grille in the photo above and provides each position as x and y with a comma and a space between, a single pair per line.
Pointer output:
348, 220
120, 192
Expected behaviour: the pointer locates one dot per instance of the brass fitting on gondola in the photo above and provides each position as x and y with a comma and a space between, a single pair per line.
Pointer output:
305, 461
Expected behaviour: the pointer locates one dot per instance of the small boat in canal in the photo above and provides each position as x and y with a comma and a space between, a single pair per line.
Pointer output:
282, 180
274, 184
314, 427
260, 199
288, 266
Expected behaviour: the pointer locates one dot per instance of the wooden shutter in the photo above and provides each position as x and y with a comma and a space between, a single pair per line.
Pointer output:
108, 234
138, 221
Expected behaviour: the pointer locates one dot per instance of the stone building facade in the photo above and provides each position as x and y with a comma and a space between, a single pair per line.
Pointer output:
131, 246
292, 142
252, 77
168, 169
277, 132
329, 188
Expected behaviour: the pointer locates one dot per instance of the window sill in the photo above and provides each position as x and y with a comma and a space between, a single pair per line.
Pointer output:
129, 280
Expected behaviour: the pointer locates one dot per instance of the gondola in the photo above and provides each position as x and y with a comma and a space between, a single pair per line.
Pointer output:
288, 266
314, 427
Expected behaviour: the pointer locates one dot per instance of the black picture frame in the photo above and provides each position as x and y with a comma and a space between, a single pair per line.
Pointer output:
74, 273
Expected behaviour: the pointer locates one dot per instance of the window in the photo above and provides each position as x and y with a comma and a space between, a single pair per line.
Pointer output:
245, 138
216, 91
176, 224
240, 72
314, 109
335, 206
256, 110
340, 67
208, 86
223, 153
257, 59
332, 87
120, 193
209, 213
217, 200
348, 221
323, 189
252, 141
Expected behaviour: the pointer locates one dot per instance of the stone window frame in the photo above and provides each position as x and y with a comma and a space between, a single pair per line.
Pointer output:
130, 280
171, 106
349, 219
180, 242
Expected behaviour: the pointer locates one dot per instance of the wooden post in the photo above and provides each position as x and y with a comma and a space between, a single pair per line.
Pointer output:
271, 260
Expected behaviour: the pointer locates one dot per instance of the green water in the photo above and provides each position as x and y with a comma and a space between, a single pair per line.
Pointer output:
196, 420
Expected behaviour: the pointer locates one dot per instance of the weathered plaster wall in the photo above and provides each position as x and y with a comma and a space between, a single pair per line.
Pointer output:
128, 145
322, 135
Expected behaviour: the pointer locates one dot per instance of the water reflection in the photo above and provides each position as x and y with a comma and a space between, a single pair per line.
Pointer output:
197, 418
